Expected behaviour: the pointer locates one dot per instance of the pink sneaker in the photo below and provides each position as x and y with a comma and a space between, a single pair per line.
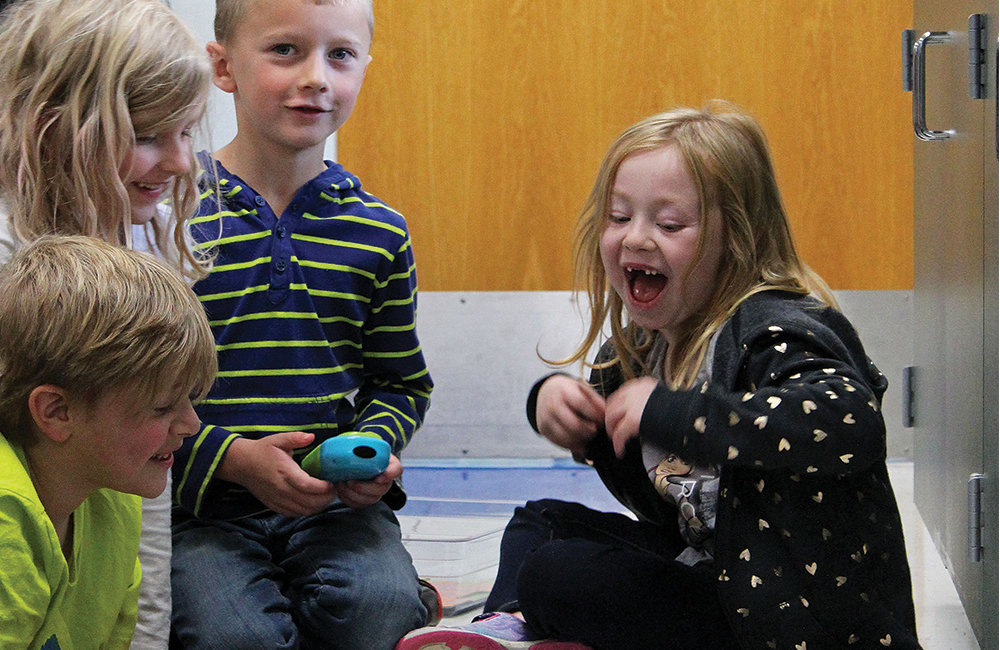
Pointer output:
496, 631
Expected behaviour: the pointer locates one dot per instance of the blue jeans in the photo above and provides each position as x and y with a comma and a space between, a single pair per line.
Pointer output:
340, 579
606, 580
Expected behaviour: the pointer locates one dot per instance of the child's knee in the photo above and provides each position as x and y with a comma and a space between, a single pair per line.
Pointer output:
375, 616
265, 631
554, 569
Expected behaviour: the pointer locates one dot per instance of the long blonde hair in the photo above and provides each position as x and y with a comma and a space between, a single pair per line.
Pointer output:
79, 79
727, 154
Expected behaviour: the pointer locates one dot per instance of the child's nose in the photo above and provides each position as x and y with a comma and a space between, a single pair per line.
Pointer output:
176, 155
313, 73
637, 235
188, 423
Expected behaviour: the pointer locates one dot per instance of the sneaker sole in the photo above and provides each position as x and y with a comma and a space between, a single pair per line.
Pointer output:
459, 640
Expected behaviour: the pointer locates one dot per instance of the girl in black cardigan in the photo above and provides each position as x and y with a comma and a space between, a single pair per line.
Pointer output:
733, 410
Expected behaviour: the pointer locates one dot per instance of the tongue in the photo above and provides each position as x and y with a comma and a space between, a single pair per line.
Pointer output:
645, 288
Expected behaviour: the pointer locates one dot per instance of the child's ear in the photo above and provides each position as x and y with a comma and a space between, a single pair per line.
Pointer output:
49, 408
222, 76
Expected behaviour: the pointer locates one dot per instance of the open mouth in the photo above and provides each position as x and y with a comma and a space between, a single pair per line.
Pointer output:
163, 458
644, 285
308, 110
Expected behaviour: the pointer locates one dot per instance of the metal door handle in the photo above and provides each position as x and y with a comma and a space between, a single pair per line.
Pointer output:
919, 87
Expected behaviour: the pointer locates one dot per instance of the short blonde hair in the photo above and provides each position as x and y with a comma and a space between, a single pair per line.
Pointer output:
79, 79
229, 14
92, 317
727, 154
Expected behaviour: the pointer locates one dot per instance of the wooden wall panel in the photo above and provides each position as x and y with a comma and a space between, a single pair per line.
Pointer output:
484, 121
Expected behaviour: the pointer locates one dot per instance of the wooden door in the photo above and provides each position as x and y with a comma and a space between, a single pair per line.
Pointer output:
484, 122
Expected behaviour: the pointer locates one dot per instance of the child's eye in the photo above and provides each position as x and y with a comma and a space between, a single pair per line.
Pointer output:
145, 139
167, 409
282, 49
671, 227
618, 218
340, 54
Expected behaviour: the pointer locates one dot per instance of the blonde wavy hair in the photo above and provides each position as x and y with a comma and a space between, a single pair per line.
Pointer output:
727, 154
92, 317
79, 80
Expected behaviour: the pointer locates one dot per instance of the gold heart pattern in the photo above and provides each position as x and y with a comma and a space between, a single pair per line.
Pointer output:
805, 446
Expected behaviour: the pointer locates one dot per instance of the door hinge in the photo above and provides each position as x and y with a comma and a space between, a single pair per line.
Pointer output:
977, 56
975, 517
908, 406
909, 38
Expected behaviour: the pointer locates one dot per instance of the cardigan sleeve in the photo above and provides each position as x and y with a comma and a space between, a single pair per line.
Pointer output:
794, 393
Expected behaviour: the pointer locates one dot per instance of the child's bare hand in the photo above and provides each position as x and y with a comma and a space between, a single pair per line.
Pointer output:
568, 412
624, 411
361, 494
266, 468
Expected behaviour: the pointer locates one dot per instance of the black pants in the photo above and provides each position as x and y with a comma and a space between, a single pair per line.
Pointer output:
605, 580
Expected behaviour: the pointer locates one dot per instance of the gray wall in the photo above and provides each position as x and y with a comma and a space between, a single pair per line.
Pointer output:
481, 351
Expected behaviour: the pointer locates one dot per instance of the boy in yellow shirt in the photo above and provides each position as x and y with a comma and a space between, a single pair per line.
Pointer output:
103, 351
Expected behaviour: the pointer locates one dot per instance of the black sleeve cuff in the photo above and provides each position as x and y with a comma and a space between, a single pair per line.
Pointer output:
395, 498
532, 406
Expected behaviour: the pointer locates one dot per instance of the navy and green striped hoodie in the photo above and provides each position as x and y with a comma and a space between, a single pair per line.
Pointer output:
314, 322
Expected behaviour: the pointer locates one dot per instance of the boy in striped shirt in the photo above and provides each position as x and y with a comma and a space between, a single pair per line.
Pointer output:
312, 301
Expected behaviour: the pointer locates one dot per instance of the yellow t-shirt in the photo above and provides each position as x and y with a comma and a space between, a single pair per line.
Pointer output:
48, 602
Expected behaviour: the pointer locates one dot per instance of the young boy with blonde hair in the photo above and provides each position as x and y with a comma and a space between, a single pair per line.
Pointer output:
312, 301
103, 350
